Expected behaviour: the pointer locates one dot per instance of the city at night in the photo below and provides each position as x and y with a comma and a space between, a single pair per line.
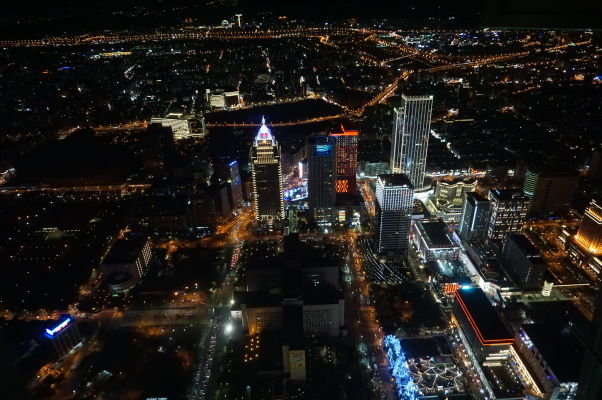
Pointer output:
277, 200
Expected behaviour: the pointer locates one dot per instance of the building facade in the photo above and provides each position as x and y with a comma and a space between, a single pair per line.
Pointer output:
64, 334
522, 260
475, 217
411, 134
433, 241
394, 205
322, 178
346, 160
508, 212
585, 248
266, 171
550, 192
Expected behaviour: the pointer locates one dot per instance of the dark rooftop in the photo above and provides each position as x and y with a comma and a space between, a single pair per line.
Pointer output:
474, 197
395, 180
124, 251
524, 244
559, 348
488, 323
507, 194
435, 233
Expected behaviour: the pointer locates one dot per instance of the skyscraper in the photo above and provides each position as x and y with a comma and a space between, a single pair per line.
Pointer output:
550, 192
230, 173
411, 137
267, 176
346, 160
475, 216
589, 235
321, 178
585, 248
394, 202
521, 259
321, 171
508, 212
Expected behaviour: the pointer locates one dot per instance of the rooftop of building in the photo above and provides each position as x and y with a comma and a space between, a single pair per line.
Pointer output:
474, 197
507, 194
395, 180
321, 295
559, 348
524, 244
256, 299
483, 318
435, 233
124, 251
457, 181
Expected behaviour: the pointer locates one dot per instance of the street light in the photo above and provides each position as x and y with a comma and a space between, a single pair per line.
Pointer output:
228, 328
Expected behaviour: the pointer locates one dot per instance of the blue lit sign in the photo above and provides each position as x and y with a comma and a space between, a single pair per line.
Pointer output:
51, 332
465, 287
232, 163
406, 388
323, 149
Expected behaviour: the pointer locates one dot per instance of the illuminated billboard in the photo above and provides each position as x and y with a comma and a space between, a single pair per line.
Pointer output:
63, 324
323, 150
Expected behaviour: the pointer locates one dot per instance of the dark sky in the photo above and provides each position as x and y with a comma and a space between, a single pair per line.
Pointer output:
35, 17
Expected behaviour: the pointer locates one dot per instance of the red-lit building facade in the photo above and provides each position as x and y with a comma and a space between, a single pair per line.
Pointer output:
480, 326
346, 160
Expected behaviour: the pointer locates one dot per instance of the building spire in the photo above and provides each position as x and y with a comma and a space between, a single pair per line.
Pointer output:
262, 120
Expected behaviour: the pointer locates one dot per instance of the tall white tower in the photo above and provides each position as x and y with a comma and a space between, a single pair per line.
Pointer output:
267, 176
411, 137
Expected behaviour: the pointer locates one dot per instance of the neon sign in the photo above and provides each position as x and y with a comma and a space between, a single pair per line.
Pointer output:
58, 328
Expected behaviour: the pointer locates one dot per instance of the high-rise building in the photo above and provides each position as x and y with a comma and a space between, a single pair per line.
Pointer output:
595, 167
394, 204
550, 192
230, 172
508, 212
411, 137
523, 262
480, 326
475, 216
346, 160
589, 235
585, 248
64, 335
266, 170
321, 178
321, 171
591, 369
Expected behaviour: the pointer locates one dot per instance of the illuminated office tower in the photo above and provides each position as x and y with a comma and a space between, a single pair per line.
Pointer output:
589, 235
346, 160
394, 203
321, 178
585, 248
267, 176
321, 171
508, 212
411, 137
475, 216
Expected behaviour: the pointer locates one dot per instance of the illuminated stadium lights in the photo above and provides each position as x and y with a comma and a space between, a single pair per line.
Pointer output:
406, 389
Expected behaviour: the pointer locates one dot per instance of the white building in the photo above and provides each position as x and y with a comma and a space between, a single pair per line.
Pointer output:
410, 137
183, 126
